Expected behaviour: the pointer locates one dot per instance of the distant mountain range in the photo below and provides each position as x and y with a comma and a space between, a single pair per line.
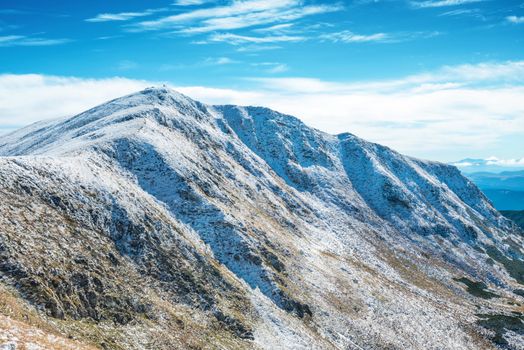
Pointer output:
491, 165
505, 189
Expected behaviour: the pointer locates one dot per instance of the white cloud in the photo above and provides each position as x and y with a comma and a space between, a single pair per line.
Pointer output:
515, 19
191, 2
402, 114
272, 67
347, 36
277, 28
252, 48
490, 161
219, 61
21, 40
236, 15
274, 18
441, 3
13, 12
31, 97
512, 71
471, 75
454, 111
278, 68
10, 38
236, 39
123, 16
460, 12
463, 164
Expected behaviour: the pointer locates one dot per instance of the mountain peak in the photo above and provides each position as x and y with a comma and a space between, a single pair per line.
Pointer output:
162, 93
113, 119
157, 95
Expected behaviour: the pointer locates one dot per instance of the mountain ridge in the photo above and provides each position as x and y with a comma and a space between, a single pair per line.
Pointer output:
278, 235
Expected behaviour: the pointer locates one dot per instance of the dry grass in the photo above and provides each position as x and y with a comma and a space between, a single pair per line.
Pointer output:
24, 336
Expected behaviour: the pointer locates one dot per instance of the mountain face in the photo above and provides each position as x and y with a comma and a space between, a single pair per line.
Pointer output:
158, 222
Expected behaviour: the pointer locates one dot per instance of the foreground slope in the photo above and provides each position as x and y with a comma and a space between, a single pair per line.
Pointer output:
155, 221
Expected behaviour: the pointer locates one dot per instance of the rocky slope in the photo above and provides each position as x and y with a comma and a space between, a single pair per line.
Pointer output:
157, 222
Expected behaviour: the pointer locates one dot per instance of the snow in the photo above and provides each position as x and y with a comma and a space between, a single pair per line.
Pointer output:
17, 335
295, 214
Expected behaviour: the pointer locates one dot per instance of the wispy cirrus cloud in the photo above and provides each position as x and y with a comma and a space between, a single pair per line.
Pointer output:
236, 15
344, 36
441, 3
10, 38
277, 28
5, 26
466, 12
347, 36
123, 16
515, 19
458, 12
272, 67
191, 2
278, 68
13, 12
22, 40
256, 22
235, 39
219, 61
253, 48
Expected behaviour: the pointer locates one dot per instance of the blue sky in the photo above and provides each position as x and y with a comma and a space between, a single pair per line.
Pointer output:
426, 77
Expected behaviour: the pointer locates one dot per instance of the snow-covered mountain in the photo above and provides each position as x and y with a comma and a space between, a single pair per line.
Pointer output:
155, 221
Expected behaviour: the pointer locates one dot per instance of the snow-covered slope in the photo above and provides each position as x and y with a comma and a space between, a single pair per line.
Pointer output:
240, 227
